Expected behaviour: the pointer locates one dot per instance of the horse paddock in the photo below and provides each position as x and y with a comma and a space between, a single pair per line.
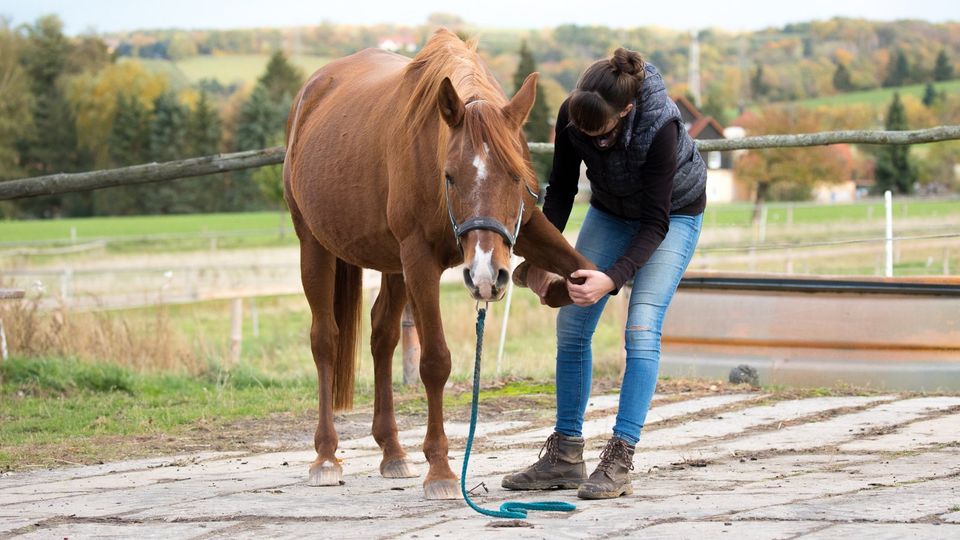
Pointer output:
747, 464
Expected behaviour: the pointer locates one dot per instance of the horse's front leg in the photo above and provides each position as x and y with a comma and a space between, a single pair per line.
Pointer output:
422, 276
543, 246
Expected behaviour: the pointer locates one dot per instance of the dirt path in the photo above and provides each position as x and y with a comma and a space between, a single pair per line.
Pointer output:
747, 464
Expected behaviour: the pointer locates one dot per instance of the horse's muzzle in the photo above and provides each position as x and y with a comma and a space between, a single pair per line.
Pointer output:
484, 286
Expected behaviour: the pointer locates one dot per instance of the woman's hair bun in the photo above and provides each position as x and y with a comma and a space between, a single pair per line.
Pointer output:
627, 61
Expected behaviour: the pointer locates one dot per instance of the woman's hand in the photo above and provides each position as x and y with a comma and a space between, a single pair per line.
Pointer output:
596, 286
539, 280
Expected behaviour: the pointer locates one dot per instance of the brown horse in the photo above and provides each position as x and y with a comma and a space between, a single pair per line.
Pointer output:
409, 168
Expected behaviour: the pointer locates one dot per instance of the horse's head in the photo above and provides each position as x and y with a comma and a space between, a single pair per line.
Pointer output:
487, 175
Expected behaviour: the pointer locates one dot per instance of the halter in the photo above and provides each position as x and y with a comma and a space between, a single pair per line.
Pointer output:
485, 222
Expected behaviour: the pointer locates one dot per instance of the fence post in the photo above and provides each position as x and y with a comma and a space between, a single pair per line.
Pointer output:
254, 316
888, 202
506, 317
236, 330
411, 347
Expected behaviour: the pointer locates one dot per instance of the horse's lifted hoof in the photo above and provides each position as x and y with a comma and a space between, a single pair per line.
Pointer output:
326, 474
519, 275
441, 489
398, 468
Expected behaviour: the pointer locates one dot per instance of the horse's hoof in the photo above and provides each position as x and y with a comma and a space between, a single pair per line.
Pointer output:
398, 468
326, 474
519, 275
441, 489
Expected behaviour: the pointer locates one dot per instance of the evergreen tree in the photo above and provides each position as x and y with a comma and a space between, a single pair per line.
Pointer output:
929, 95
204, 131
129, 142
894, 171
841, 78
759, 87
16, 100
204, 128
260, 123
537, 128
51, 146
129, 135
899, 70
168, 142
943, 69
281, 79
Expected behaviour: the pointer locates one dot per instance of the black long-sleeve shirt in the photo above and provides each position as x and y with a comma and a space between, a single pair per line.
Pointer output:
656, 177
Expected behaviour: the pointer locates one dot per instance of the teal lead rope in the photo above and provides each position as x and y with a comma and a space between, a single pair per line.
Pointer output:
511, 510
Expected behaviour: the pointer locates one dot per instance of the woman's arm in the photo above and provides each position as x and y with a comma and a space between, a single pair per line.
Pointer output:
657, 176
564, 175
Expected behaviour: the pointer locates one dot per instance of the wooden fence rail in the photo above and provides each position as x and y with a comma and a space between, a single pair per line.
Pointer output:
157, 172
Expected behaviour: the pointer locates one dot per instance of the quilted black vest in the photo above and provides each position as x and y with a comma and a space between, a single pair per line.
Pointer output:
613, 173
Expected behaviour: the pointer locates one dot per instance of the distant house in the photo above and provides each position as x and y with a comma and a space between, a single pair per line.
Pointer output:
398, 43
721, 184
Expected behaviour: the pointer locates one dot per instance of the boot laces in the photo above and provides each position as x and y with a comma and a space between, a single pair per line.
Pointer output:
551, 448
615, 452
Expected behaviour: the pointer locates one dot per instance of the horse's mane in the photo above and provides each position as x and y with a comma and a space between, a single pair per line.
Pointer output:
446, 55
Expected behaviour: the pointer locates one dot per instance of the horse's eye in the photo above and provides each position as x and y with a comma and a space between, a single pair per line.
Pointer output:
448, 177
516, 178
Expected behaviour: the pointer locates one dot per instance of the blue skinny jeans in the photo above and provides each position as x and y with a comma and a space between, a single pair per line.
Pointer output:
603, 239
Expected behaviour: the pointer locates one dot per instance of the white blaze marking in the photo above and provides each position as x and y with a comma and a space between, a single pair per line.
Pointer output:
481, 168
482, 267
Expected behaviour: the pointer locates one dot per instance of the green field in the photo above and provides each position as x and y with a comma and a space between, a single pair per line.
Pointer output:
267, 224
877, 96
138, 226
227, 69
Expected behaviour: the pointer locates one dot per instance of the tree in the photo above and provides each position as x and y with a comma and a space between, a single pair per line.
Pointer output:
943, 68
758, 86
929, 95
894, 170
128, 144
260, 122
281, 79
841, 78
537, 128
787, 172
95, 96
204, 131
51, 146
16, 102
898, 70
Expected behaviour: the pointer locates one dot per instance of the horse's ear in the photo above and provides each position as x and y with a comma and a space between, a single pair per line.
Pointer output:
519, 107
451, 106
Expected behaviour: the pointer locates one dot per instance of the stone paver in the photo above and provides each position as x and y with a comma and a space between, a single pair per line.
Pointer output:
657, 413
942, 430
829, 467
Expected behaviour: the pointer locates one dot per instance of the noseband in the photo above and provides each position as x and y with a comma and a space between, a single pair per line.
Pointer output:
485, 222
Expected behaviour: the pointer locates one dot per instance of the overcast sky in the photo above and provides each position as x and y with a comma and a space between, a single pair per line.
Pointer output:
112, 15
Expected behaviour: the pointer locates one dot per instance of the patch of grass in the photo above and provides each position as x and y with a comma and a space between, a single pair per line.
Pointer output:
227, 68
134, 227
52, 403
876, 96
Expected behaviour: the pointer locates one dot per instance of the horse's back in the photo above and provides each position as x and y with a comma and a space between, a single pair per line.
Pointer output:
334, 170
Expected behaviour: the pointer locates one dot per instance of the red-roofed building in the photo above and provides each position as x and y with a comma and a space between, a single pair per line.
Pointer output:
721, 185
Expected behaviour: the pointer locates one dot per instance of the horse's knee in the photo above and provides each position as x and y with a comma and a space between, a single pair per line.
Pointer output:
435, 367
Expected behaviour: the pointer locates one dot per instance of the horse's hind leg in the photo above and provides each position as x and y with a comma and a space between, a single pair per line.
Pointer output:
385, 333
318, 272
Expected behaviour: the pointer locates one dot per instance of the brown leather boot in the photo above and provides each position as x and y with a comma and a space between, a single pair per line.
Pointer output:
611, 479
560, 466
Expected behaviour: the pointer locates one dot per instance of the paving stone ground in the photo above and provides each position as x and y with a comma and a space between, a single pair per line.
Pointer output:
733, 465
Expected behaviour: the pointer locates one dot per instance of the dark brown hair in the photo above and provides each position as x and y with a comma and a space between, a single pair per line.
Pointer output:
605, 88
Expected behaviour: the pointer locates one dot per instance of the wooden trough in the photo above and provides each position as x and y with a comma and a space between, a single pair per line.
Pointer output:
895, 333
